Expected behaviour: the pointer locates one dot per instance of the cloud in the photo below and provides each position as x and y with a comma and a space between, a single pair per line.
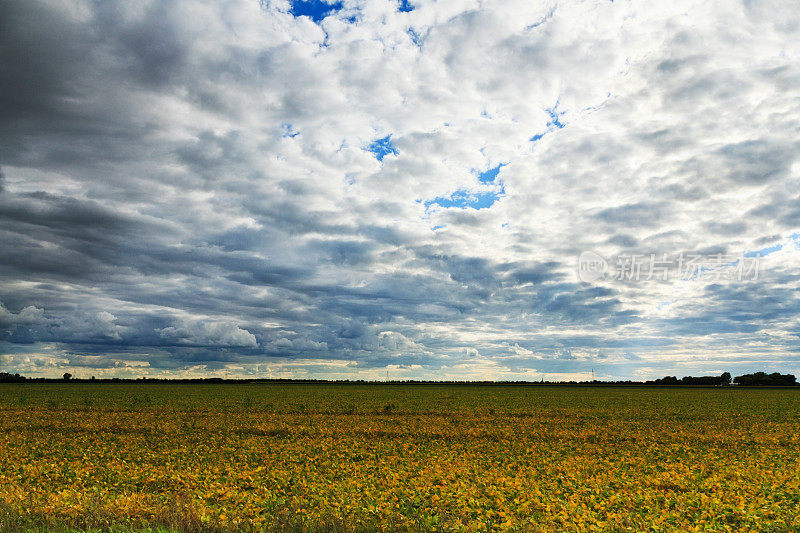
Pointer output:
203, 333
336, 189
27, 316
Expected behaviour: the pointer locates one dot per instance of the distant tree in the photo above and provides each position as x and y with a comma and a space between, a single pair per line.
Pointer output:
667, 380
724, 379
763, 379
67, 376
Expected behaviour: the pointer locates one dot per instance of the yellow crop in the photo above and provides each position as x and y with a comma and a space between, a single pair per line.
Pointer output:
401, 457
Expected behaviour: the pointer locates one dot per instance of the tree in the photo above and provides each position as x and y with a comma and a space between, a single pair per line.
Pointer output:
668, 380
67, 376
762, 378
723, 379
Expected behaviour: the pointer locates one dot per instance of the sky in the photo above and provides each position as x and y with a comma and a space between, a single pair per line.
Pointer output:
363, 189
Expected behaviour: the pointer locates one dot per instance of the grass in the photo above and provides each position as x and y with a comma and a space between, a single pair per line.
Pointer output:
351, 457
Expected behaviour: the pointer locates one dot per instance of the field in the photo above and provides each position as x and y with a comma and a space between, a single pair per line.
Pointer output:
335, 457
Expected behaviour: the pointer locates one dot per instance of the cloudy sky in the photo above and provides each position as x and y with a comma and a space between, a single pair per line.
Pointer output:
372, 187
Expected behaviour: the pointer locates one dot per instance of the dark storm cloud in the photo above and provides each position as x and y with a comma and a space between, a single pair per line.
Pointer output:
624, 241
63, 101
42, 48
641, 214
758, 161
784, 210
727, 228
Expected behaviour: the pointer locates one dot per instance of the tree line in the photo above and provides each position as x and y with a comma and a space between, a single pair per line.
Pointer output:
747, 380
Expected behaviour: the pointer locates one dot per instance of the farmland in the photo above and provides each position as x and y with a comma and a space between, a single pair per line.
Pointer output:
343, 457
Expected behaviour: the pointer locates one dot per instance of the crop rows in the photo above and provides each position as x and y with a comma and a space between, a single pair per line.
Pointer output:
413, 457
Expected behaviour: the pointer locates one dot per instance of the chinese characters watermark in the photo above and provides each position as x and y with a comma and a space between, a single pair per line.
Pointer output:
664, 267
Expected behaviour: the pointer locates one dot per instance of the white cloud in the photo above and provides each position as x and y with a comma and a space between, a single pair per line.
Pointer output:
209, 333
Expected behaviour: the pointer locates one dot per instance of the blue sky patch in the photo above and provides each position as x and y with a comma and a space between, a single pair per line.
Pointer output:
288, 131
541, 20
555, 116
416, 38
764, 251
553, 122
405, 6
464, 199
488, 176
316, 10
382, 147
